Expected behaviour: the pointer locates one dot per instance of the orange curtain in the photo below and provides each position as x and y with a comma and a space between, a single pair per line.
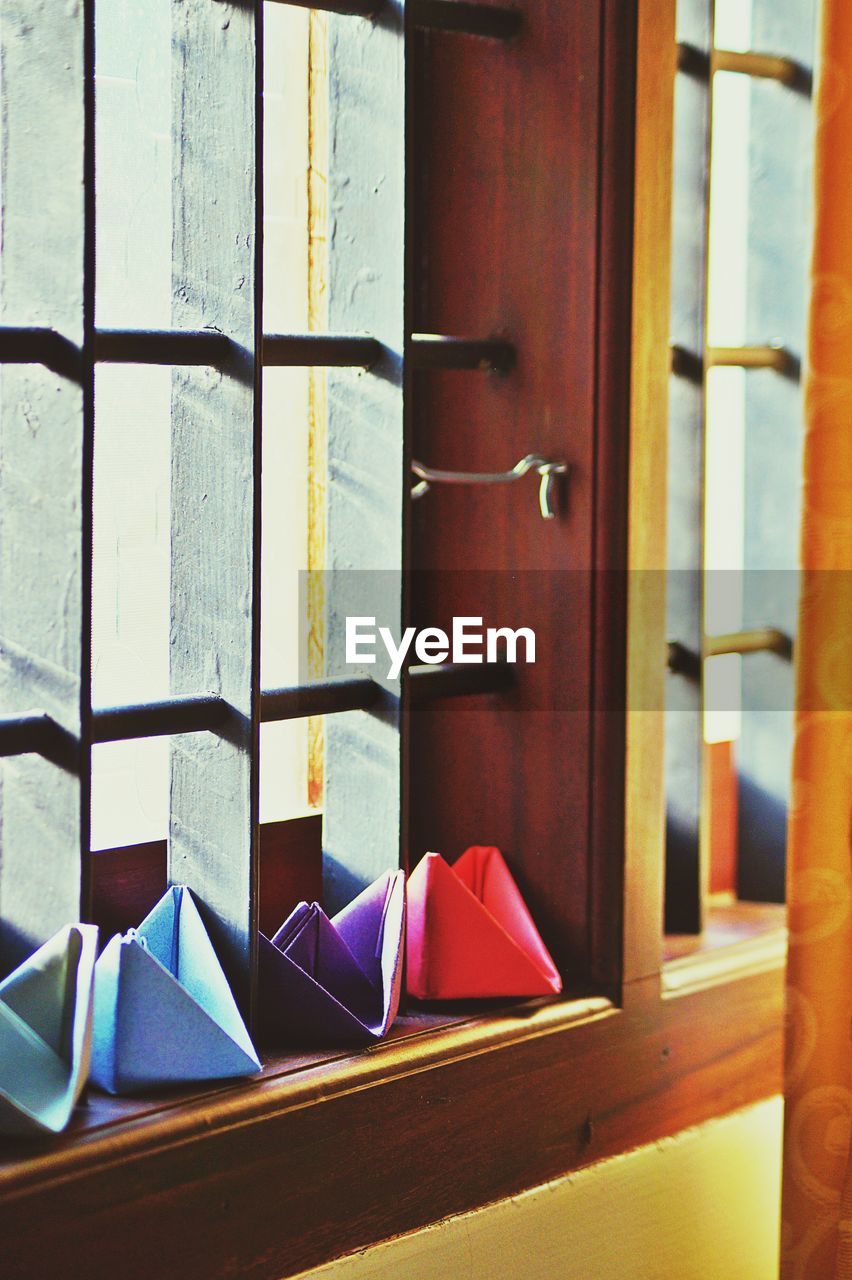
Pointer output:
816, 1239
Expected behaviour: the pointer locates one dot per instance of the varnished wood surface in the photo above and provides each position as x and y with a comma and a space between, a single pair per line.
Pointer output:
126, 883
617, 283
266, 1179
523, 154
325, 1155
645, 809
726, 923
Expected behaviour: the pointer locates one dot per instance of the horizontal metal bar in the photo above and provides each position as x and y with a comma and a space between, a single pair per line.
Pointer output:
428, 683
689, 364
319, 698
762, 66
208, 347
196, 713
331, 349
693, 61
755, 640
683, 661
191, 713
766, 357
435, 15
30, 731
470, 19
359, 693
162, 346
435, 351
38, 346
355, 8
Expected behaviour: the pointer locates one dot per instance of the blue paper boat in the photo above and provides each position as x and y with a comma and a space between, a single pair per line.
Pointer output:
164, 1012
45, 1033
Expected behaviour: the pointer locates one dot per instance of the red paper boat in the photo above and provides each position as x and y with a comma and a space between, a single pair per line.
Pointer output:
470, 934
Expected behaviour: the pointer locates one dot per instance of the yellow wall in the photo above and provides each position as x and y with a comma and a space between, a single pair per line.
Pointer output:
701, 1206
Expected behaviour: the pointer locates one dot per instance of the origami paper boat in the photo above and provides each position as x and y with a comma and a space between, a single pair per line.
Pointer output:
45, 1032
470, 935
335, 981
164, 1012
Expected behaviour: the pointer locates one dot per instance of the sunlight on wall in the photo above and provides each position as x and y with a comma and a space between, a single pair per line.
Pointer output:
704, 1205
724, 512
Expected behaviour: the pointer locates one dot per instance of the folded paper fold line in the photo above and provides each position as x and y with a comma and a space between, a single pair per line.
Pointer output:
45, 1033
470, 934
163, 1010
335, 981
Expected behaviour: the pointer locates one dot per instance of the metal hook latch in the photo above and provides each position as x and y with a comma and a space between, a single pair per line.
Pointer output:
547, 471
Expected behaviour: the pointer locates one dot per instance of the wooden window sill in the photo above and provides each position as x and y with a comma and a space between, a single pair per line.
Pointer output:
736, 936
325, 1154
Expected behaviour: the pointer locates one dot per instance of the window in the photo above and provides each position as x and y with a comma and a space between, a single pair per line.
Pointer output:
130, 643
741, 244
511, 192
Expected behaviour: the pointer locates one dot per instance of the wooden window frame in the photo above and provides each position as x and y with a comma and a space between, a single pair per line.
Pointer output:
323, 1157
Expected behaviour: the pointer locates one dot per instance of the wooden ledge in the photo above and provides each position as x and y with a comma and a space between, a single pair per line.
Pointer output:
110, 1130
272, 1177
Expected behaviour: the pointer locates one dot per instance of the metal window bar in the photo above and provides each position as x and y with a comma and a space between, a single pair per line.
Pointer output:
213, 349
759, 66
763, 66
474, 19
49, 343
35, 731
774, 356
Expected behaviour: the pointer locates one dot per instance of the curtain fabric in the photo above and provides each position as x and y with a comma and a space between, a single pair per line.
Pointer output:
816, 1241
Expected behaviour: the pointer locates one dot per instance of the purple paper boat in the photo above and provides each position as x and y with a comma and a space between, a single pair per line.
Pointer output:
335, 981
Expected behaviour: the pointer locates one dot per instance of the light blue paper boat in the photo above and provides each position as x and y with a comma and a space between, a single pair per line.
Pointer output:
45, 1032
164, 1012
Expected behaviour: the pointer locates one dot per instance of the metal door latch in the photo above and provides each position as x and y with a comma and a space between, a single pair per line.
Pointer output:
547, 471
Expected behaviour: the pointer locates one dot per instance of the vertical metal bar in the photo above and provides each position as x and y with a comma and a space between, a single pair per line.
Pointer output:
780, 159
367, 478
45, 462
684, 620
216, 467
